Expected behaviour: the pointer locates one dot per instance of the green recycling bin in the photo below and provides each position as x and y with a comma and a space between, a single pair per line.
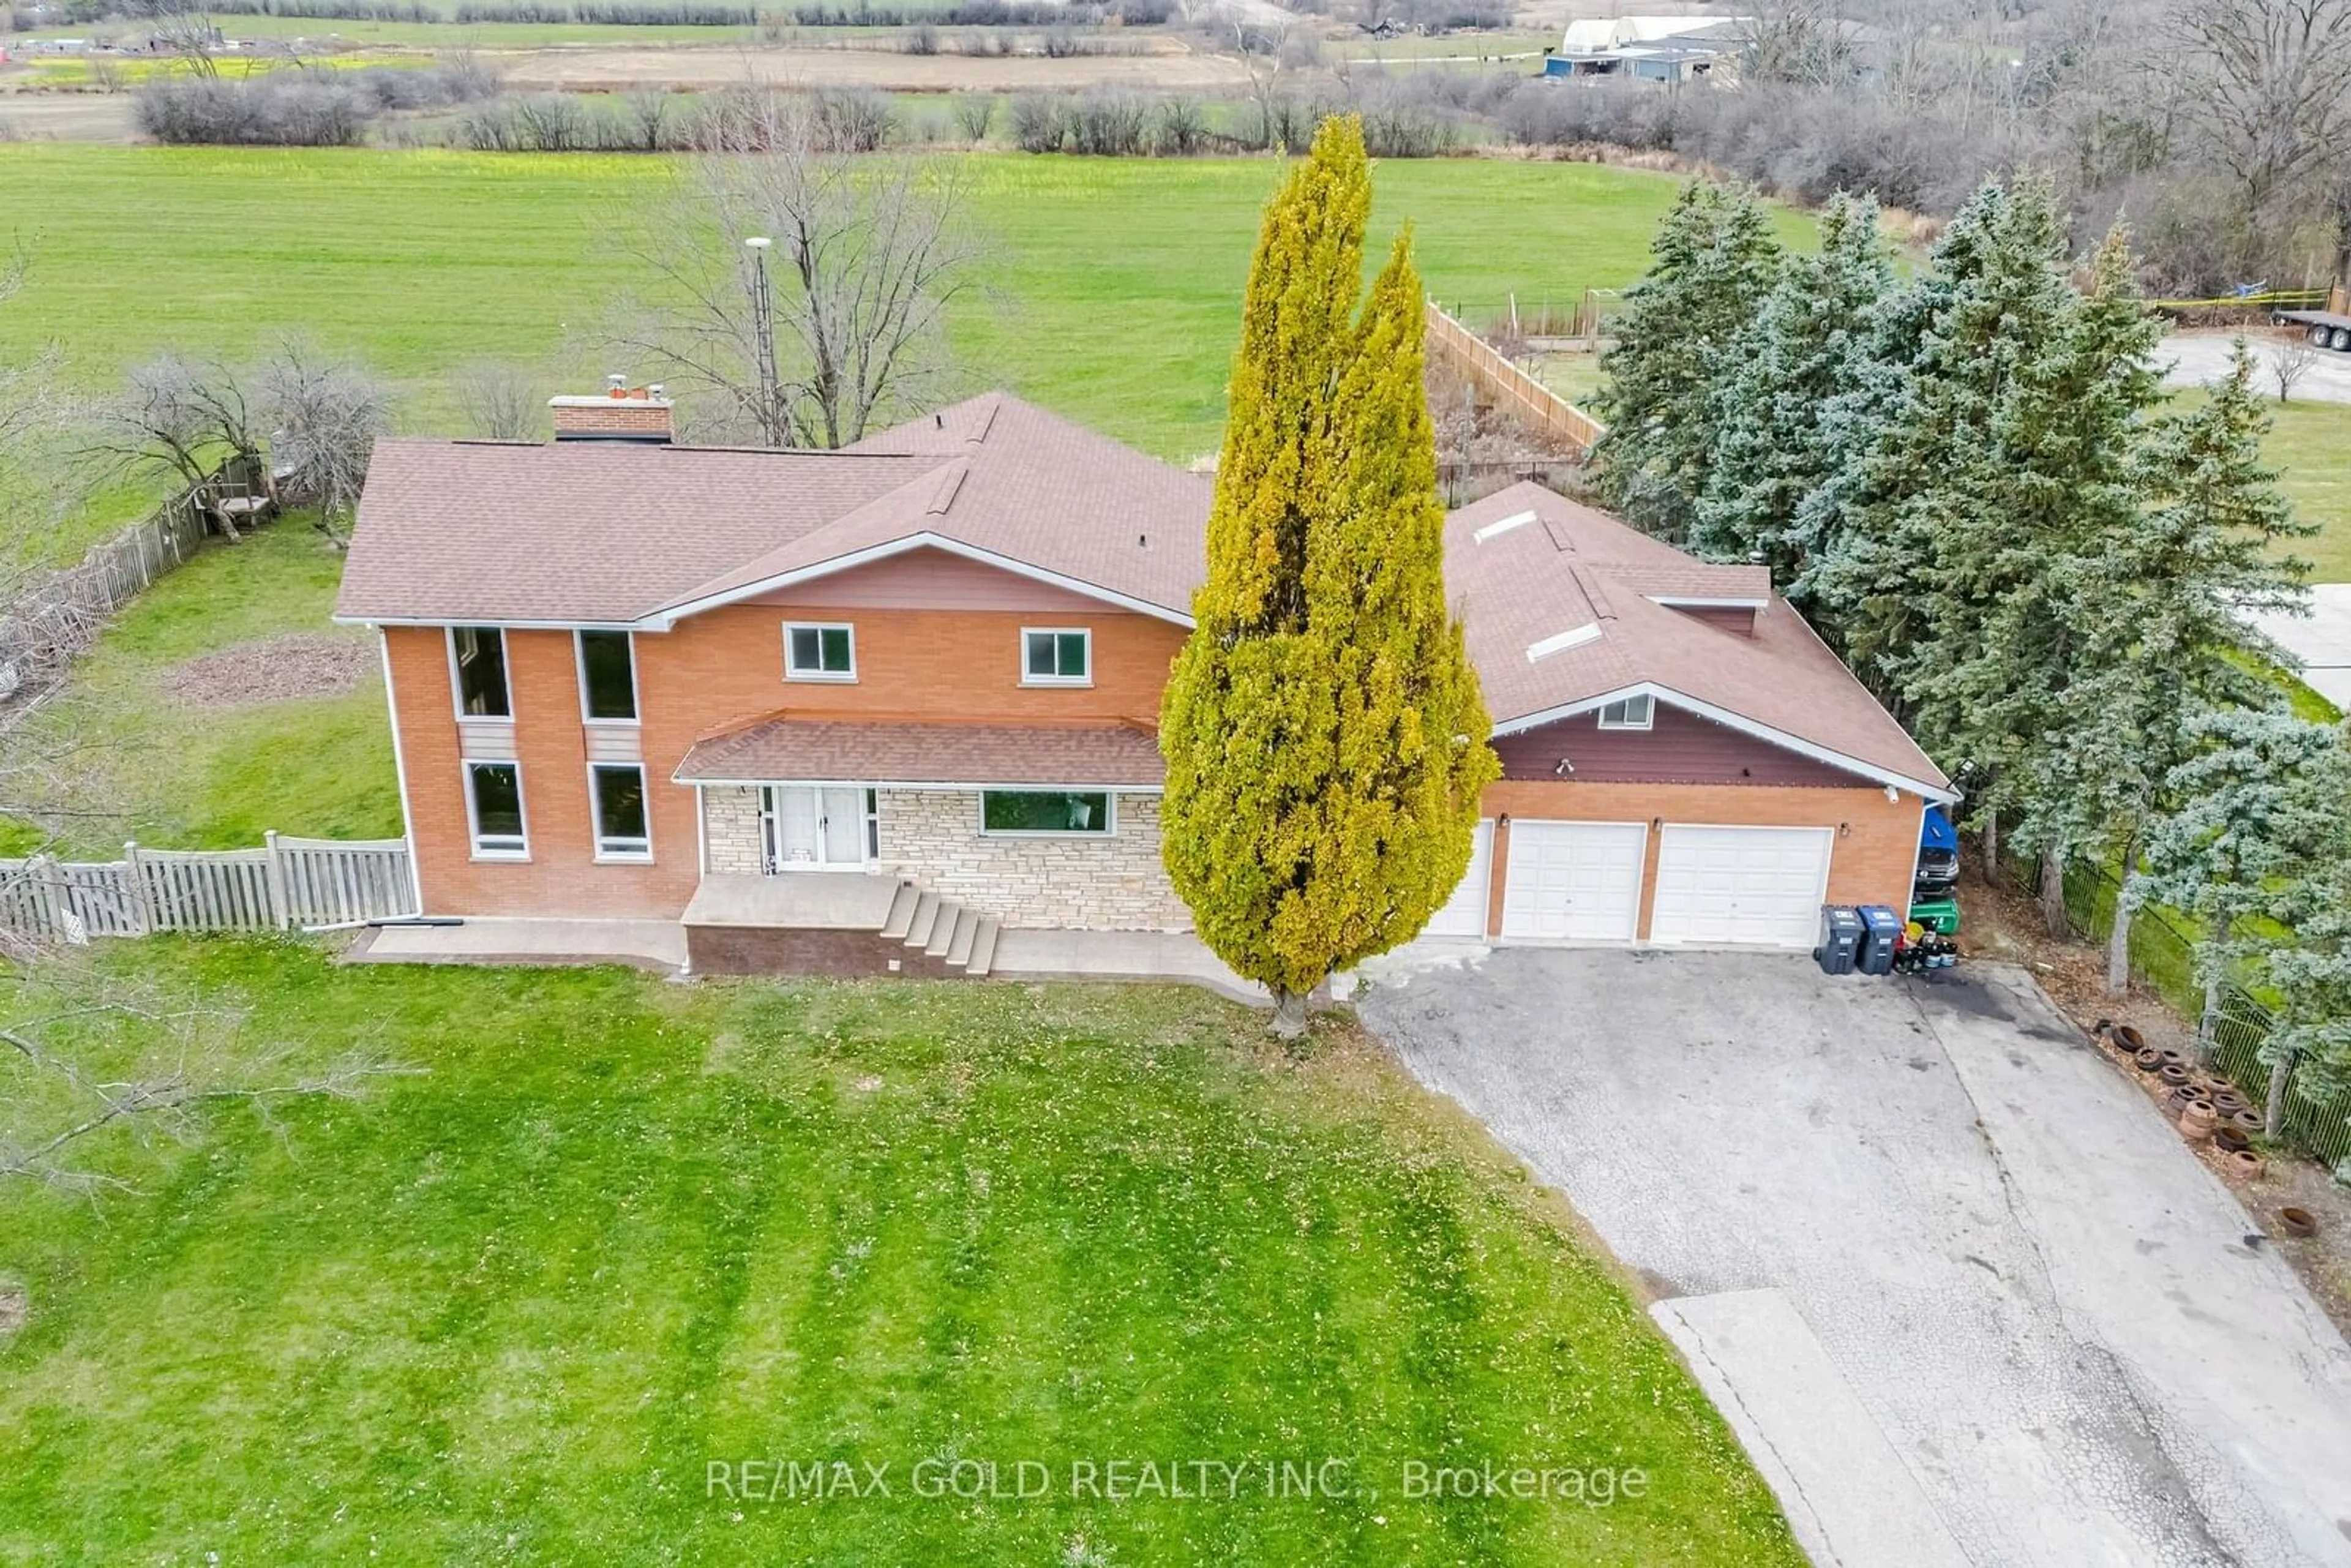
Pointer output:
1940, 915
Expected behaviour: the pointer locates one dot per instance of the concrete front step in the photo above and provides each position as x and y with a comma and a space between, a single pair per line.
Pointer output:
901, 917
943, 930
983, 947
926, 916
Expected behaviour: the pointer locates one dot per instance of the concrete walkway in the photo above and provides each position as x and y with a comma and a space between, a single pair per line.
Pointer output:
2037, 1296
2320, 642
1117, 956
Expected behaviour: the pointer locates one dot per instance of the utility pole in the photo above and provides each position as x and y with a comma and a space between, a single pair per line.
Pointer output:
763, 327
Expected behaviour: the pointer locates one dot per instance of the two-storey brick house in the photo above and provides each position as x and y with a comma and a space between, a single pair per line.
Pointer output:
636, 680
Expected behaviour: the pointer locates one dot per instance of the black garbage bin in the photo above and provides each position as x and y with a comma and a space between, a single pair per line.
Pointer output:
1881, 929
1841, 931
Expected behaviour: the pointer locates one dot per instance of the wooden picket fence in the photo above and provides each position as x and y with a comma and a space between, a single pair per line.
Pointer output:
309, 885
1515, 392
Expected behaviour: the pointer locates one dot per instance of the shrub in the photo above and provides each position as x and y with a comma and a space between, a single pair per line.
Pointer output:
1106, 123
1038, 123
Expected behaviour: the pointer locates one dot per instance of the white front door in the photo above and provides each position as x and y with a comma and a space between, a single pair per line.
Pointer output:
1463, 914
1573, 881
1751, 887
805, 827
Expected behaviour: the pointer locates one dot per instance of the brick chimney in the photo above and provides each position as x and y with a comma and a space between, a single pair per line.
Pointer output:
624, 412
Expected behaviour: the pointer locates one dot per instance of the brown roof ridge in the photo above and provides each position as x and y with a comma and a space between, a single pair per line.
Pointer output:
943, 494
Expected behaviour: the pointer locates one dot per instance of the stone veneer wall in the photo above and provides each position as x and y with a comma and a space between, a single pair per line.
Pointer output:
932, 838
730, 830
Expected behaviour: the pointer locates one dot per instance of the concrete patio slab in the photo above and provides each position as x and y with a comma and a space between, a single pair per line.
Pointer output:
646, 944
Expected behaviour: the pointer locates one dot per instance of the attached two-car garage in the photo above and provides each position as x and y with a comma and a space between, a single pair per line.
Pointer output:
1583, 882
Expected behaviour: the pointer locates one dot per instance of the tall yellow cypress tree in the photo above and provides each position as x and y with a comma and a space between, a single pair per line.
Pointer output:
1324, 736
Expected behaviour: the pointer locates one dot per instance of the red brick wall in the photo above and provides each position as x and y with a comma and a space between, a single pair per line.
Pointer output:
1871, 861
713, 671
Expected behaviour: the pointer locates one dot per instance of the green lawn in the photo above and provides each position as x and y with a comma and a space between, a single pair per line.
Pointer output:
511, 1310
142, 762
1113, 285
2311, 446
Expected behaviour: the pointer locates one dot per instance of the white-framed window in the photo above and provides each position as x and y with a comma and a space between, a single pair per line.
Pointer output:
494, 811
1056, 656
1084, 813
820, 651
1631, 713
477, 669
624, 820
608, 676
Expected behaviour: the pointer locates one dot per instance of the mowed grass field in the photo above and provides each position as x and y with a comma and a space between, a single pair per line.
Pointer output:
612, 1233
1112, 289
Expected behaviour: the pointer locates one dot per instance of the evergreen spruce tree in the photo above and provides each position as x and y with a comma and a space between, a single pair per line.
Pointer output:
2310, 1046
2255, 804
1324, 736
2166, 601
1712, 263
1810, 348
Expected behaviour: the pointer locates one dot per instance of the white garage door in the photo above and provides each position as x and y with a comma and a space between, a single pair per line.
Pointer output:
1573, 881
1463, 914
1756, 887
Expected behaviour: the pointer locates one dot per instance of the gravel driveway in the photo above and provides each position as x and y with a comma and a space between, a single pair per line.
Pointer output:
2047, 1306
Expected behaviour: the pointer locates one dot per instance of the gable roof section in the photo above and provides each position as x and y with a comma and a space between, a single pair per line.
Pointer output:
1017, 487
572, 533
1523, 592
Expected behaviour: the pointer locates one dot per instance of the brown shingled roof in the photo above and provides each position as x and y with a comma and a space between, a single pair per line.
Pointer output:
573, 532
1011, 755
1576, 568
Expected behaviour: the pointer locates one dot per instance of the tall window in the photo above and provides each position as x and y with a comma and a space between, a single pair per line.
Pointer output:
617, 790
1055, 656
479, 654
819, 652
608, 676
1044, 812
494, 802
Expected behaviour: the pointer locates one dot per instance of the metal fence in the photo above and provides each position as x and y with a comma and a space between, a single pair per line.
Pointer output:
311, 884
2163, 959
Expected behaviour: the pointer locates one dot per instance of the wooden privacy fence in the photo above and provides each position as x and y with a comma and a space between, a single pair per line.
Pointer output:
1515, 392
313, 885
52, 616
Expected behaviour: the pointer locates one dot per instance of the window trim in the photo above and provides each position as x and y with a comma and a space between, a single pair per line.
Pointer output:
1648, 713
456, 682
580, 666
840, 677
596, 834
473, 810
1057, 680
1109, 830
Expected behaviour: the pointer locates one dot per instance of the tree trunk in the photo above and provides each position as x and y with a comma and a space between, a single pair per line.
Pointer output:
2274, 1114
2208, 1027
1992, 849
2119, 939
2052, 890
1289, 1014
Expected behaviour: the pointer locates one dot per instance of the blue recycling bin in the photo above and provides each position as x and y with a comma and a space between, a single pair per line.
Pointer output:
1881, 929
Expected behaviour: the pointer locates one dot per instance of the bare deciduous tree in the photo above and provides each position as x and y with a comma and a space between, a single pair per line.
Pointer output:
178, 416
867, 254
2269, 101
82, 1055
499, 401
2289, 363
974, 113
325, 416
